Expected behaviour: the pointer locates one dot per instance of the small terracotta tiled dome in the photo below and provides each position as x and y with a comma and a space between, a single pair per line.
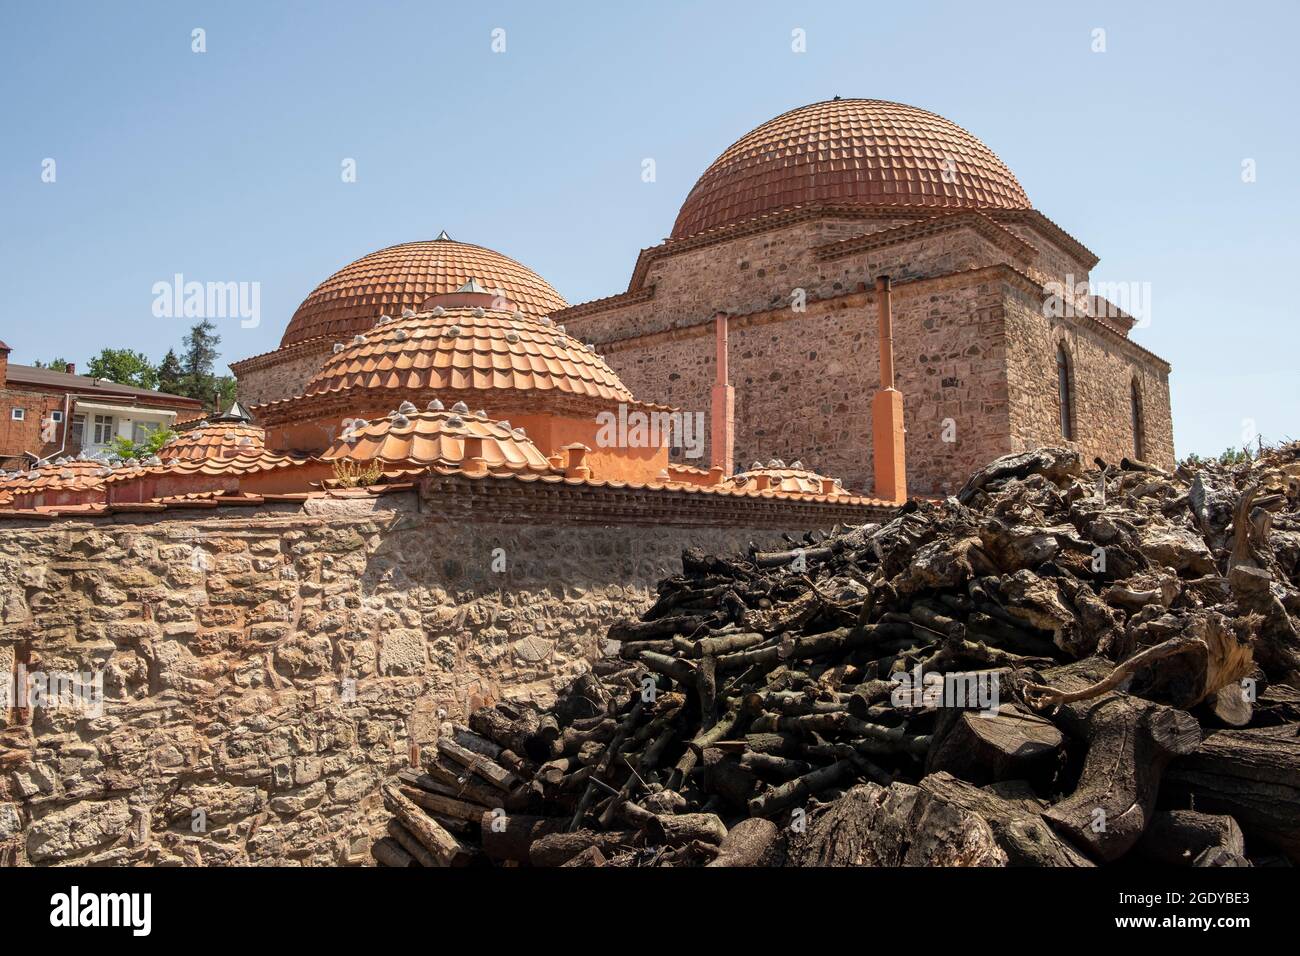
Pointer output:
849, 152
214, 440
792, 479
438, 438
403, 277
70, 474
444, 351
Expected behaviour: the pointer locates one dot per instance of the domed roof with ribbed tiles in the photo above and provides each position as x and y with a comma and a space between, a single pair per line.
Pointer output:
468, 348
214, 440
403, 277
847, 152
437, 437
793, 479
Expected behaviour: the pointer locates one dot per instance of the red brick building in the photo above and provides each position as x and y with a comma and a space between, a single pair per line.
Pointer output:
46, 414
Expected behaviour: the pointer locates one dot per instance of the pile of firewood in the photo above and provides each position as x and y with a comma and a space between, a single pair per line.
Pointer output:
1058, 666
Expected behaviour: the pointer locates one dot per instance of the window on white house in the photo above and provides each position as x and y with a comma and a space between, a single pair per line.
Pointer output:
18, 414
103, 429
141, 431
78, 429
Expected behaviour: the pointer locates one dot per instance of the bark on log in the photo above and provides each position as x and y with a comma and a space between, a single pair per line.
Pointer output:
748, 843
410, 844
445, 848
949, 812
1253, 775
388, 852
556, 849
1181, 837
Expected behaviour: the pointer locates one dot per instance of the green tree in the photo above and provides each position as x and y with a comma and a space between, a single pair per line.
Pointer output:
171, 377
125, 367
126, 448
198, 361
54, 365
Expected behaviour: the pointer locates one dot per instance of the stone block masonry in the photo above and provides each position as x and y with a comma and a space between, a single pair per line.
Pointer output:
264, 670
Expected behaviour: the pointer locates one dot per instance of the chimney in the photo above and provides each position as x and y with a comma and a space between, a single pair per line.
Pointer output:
4, 364
72, 368
473, 463
888, 450
577, 466
722, 424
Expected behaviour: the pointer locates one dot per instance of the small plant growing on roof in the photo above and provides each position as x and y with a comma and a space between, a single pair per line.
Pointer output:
350, 473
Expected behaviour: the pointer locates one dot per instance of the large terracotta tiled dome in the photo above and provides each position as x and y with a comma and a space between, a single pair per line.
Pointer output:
446, 351
403, 277
848, 152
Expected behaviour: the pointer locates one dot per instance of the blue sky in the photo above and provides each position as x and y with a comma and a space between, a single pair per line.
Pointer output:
225, 165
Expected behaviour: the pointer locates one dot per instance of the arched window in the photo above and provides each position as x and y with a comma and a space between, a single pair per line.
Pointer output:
1135, 401
1064, 392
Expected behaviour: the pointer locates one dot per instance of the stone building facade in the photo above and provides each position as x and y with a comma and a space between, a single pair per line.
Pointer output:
986, 293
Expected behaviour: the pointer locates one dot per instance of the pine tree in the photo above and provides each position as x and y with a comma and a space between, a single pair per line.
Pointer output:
198, 361
171, 377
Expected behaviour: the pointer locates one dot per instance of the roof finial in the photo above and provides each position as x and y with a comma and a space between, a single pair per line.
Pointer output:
442, 233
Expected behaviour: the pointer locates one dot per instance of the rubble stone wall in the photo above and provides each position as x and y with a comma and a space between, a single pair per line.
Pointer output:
1102, 368
804, 382
264, 671
280, 375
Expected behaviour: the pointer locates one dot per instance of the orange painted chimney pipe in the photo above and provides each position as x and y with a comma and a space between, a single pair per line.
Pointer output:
722, 419
887, 431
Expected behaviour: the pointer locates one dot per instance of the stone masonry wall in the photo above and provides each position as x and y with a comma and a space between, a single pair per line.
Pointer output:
269, 379
804, 381
1102, 366
230, 733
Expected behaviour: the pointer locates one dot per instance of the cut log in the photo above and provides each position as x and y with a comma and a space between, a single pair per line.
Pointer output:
868, 826
683, 828
984, 747
1130, 742
508, 836
1182, 837
388, 852
749, 843
955, 823
556, 849
410, 844
1252, 775
445, 849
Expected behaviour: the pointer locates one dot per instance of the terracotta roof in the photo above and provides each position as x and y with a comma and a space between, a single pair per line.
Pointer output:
463, 348
437, 437
214, 440
403, 277
794, 479
238, 464
724, 490
77, 474
849, 151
